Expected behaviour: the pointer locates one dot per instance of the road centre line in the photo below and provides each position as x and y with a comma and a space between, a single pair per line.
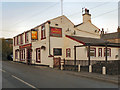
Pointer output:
23, 81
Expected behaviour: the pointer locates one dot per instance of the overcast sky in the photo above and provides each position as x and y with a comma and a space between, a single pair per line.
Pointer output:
19, 16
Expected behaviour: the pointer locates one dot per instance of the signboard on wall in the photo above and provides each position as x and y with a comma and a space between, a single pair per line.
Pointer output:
34, 35
56, 32
25, 46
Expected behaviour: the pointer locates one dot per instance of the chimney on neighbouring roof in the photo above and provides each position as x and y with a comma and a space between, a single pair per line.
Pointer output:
86, 16
118, 29
102, 32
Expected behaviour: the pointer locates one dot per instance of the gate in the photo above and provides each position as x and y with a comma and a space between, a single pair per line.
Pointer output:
57, 62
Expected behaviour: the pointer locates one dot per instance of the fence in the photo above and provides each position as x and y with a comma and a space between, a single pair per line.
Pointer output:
112, 66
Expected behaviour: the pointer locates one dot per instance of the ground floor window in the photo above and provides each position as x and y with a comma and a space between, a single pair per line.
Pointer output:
99, 52
22, 54
93, 52
108, 52
16, 54
57, 51
38, 55
68, 52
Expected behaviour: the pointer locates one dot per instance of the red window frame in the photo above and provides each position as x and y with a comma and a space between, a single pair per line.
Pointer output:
22, 55
16, 54
21, 38
90, 52
17, 40
14, 41
37, 55
43, 32
109, 51
98, 52
26, 37
68, 54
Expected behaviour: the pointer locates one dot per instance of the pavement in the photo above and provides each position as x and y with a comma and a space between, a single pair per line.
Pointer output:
107, 78
18, 75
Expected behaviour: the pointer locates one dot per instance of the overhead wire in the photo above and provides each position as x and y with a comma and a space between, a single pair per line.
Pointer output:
43, 11
89, 8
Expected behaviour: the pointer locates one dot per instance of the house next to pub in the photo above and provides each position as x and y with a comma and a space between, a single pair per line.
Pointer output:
56, 38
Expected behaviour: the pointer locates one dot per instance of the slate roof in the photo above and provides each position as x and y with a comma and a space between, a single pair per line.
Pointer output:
87, 40
107, 36
93, 41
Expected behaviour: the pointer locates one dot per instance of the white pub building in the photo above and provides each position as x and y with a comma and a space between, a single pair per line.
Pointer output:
56, 38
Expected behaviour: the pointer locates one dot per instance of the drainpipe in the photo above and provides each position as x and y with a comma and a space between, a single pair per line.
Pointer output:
75, 57
88, 54
106, 52
49, 39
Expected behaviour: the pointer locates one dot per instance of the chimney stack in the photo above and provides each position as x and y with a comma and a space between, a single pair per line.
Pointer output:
86, 16
102, 32
118, 29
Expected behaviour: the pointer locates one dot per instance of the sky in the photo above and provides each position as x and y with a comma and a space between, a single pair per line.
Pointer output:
18, 16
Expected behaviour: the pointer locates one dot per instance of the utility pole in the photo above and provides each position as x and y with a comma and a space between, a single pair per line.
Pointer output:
61, 7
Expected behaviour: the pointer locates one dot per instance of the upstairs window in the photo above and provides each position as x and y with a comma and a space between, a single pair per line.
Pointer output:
43, 36
14, 41
21, 38
68, 52
99, 52
26, 37
108, 52
17, 40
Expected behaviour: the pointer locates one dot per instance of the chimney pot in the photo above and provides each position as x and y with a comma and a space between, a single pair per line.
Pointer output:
87, 11
118, 29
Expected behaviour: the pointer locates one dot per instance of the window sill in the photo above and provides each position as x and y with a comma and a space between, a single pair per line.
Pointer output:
38, 62
22, 60
50, 56
43, 38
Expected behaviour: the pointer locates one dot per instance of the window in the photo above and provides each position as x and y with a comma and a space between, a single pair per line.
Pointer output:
38, 55
26, 37
14, 41
22, 54
43, 32
99, 52
17, 40
93, 52
108, 52
57, 51
16, 54
21, 38
68, 52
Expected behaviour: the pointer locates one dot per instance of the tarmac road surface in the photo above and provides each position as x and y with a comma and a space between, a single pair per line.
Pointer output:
17, 75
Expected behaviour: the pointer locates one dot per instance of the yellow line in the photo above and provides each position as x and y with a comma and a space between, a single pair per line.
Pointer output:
24, 81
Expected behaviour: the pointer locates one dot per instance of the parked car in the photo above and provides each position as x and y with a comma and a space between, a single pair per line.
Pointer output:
10, 57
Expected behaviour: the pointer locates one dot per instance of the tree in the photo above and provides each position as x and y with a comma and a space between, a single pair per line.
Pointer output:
6, 48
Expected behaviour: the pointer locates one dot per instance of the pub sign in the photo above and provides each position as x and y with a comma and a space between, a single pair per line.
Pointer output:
56, 32
34, 34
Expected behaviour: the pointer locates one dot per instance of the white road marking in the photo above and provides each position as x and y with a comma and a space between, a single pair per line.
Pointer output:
2, 70
24, 81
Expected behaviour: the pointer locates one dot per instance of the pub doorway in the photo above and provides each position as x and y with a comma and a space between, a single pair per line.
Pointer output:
29, 56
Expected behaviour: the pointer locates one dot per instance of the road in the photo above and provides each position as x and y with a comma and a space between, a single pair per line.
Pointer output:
17, 75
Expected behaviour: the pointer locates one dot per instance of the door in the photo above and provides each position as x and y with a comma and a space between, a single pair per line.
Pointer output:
28, 56
57, 62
